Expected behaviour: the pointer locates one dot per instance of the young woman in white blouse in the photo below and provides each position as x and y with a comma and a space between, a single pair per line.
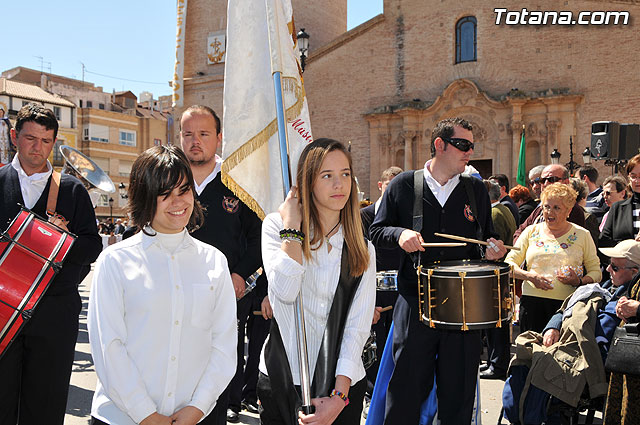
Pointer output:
315, 245
162, 310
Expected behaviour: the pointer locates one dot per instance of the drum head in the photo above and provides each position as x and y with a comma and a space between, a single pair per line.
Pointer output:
470, 267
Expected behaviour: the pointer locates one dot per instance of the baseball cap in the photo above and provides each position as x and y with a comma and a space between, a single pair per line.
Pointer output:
628, 249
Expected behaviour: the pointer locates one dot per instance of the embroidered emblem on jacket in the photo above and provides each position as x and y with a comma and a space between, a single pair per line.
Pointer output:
230, 204
468, 214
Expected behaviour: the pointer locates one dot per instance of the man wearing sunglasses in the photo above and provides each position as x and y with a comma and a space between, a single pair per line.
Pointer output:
447, 207
551, 174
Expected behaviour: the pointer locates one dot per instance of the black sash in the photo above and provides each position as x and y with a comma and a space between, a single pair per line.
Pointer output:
278, 368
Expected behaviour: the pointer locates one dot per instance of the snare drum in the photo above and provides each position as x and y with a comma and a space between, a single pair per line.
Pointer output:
369, 352
31, 253
464, 295
387, 280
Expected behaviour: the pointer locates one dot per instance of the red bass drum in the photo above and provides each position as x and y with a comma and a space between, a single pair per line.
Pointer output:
31, 254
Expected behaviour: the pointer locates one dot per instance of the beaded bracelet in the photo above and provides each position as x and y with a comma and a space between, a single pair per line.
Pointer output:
291, 239
340, 394
292, 234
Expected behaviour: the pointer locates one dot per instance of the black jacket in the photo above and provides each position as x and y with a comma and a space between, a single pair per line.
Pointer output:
386, 258
619, 224
74, 205
396, 212
231, 227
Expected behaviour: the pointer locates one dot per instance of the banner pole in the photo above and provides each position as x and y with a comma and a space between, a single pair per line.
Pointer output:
301, 336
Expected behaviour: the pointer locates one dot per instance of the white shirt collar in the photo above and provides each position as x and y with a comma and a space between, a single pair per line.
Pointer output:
15, 163
377, 206
441, 192
200, 187
147, 241
31, 186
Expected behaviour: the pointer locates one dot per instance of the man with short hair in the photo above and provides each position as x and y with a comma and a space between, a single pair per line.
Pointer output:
503, 181
36, 367
595, 199
451, 203
234, 229
387, 259
534, 181
551, 174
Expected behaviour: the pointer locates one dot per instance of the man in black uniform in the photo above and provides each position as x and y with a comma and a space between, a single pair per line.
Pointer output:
387, 259
36, 368
447, 208
229, 225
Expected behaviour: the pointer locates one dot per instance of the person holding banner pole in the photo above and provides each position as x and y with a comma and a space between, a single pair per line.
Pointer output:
315, 246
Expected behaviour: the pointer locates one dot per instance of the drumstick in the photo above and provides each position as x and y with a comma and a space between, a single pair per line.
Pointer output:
460, 238
442, 244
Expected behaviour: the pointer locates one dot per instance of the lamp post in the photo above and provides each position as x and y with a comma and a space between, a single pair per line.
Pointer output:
303, 46
111, 209
122, 189
555, 156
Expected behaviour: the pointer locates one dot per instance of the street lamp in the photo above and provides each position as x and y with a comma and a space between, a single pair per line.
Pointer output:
111, 209
122, 189
303, 46
555, 156
586, 155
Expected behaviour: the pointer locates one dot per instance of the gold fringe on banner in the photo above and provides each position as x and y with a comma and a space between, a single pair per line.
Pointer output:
290, 85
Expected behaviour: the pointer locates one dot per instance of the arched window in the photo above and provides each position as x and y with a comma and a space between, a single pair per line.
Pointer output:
466, 40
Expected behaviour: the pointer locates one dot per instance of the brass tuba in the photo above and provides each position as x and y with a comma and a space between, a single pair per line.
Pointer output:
82, 167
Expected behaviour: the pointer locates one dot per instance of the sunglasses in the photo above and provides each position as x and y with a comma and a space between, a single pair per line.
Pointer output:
618, 268
461, 144
551, 179
607, 193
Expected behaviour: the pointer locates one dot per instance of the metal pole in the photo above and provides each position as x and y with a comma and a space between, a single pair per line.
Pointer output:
303, 358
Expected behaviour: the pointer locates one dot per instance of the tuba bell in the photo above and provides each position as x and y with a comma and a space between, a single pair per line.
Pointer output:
82, 167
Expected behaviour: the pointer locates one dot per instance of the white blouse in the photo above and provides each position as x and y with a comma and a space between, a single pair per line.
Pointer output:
318, 279
162, 327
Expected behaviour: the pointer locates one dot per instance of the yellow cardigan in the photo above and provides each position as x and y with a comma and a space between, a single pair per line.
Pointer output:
548, 256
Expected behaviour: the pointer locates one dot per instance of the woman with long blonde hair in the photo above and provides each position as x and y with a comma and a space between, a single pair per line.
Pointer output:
314, 246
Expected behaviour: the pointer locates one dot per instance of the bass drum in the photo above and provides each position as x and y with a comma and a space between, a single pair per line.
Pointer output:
466, 295
31, 254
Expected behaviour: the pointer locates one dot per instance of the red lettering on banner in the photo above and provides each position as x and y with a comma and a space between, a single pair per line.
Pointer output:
298, 125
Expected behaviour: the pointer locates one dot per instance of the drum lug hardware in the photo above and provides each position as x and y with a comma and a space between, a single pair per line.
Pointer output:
57, 266
464, 314
4, 237
27, 314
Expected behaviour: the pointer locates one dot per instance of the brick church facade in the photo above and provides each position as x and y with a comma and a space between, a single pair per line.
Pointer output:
384, 84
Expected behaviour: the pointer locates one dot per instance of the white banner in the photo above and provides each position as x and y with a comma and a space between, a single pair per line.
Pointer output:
178, 70
250, 149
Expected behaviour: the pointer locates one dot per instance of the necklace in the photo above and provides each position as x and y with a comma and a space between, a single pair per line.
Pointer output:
326, 237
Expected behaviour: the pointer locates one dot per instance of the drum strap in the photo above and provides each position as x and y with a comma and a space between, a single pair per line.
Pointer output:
466, 182
54, 187
418, 188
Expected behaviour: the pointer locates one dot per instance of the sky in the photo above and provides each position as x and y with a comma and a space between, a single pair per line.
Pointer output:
123, 44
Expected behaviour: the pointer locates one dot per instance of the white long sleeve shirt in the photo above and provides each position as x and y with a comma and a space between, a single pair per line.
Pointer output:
162, 327
318, 279
31, 186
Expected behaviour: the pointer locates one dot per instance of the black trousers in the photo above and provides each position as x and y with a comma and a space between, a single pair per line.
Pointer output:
243, 385
383, 299
36, 369
498, 347
420, 351
270, 415
535, 312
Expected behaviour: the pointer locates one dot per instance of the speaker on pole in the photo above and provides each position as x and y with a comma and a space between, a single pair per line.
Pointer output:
605, 138
629, 141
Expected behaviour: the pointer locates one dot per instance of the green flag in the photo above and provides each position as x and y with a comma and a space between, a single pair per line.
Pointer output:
521, 178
